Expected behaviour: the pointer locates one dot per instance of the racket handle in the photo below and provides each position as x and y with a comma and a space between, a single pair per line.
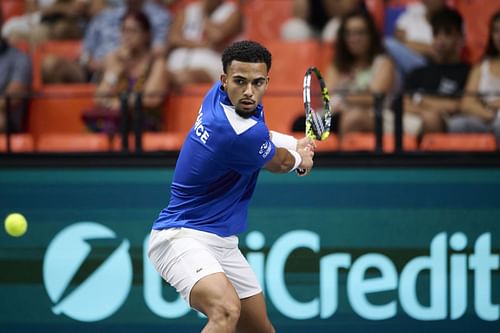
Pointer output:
300, 172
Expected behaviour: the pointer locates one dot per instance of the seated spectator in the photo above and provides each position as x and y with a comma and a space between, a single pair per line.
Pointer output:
198, 35
317, 19
132, 68
412, 46
48, 20
481, 102
360, 69
102, 37
436, 88
15, 80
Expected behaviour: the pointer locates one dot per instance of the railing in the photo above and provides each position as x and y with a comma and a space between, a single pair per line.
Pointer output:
132, 117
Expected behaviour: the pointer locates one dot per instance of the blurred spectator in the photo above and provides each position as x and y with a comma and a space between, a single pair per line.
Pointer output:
199, 33
102, 37
436, 88
49, 20
103, 34
319, 19
97, 6
481, 103
360, 69
412, 46
15, 79
132, 68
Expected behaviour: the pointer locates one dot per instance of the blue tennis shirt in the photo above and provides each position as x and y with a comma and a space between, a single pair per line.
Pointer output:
217, 168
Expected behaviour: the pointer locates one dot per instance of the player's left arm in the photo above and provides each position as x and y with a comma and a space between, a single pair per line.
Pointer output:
287, 160
287, 146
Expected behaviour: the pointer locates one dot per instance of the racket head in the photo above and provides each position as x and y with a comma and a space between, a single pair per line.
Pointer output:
316, 105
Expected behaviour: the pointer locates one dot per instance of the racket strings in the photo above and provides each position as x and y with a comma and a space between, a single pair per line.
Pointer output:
318, 119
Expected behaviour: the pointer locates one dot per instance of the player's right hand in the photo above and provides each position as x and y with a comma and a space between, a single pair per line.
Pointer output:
306, 142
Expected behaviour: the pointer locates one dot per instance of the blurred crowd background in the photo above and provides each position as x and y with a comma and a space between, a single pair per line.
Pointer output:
75, 75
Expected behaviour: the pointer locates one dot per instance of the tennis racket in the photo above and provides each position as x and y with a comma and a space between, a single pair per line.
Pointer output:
316, 106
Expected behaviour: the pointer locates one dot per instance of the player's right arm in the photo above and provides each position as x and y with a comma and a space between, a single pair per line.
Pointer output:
285, 160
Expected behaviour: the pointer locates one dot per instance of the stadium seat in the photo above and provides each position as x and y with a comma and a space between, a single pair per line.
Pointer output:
153, 141
458, 142
290, 62
282, 110
476, 15
162, 141
64, 142
366, 142
22, 46
19, 143
59, 109
377, 10
264, 18
11, 8
325, 58
181, 109
68, 49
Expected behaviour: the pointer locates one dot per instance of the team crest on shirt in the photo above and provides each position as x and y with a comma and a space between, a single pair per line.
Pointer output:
265, 149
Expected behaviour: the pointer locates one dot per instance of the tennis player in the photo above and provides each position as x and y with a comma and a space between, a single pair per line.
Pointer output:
193, 244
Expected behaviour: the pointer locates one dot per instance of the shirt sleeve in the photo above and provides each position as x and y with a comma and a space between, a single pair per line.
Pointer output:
252, 150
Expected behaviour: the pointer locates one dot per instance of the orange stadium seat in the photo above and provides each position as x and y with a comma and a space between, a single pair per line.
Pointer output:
282, 110
377, 10
22, 46
366, 142
19, 143
73, 142
153, 141
290, 62
11, 8
181, 109
477, 15
162, 141
479, 142
59, 109
67, 49
264, 18
325, 58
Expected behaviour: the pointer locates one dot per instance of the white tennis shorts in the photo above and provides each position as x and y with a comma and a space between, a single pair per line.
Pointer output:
184, 256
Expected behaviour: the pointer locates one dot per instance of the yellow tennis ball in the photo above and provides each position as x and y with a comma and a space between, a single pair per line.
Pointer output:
15, 224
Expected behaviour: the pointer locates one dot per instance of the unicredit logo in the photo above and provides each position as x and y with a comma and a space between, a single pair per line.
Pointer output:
81, 262
88, 274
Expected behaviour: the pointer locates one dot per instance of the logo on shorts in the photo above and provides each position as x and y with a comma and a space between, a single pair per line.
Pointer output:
199, 269
87, 271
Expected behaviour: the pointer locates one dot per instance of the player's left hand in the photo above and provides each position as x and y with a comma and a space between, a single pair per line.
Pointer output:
306, 142
307, 155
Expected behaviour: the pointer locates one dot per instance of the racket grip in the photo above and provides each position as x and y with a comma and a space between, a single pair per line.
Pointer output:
300, 172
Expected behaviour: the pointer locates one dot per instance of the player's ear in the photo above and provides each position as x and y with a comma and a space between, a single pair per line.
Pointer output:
223, 80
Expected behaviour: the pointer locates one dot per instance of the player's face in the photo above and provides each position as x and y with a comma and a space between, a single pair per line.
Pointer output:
245, 84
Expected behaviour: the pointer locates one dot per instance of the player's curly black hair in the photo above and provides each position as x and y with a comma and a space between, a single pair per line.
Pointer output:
246, 51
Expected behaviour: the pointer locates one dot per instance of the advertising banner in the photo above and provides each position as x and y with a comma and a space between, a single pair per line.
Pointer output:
343, 250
